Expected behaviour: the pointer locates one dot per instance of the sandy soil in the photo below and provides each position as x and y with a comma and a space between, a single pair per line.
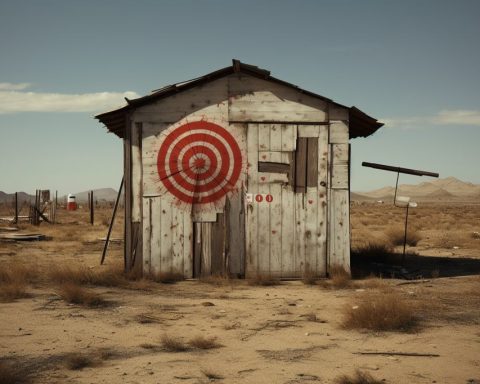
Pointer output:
267, 333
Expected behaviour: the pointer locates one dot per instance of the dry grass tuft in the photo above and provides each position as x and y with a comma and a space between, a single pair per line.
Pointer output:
264, 280
218, 280
396, 236
10, 374
112, 276
14, 278
171, 344
201, 342
385, 311
372, 251
374, 283
165, 277
76, 294
359, 377
12, 291
339, 277
309, 278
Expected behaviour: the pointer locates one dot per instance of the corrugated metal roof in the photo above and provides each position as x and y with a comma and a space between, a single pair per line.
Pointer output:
361, 125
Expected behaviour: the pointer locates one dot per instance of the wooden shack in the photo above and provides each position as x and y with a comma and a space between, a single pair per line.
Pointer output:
237, 173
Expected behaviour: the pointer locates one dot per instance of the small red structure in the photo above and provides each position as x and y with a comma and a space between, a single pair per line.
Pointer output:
71, 203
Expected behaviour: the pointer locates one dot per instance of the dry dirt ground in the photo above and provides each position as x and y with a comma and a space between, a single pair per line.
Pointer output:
286, 333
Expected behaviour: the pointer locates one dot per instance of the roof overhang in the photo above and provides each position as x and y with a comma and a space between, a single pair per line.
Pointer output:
361, 125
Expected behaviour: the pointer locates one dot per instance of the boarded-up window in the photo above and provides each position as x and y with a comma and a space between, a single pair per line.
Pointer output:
306, 164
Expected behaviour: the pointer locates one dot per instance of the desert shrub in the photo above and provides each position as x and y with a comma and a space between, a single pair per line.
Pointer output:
13, 374
374, 283
17, 272
359, 377
112, 276
76, 294
201, 342
339, 277
264, 280
12, 290
386, 311
372, 251
396, 236
172, 344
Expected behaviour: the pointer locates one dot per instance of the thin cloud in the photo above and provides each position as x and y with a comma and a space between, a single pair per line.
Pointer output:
14, 87
444, 117
14, 100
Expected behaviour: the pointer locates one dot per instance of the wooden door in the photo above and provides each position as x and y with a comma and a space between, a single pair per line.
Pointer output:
286, 199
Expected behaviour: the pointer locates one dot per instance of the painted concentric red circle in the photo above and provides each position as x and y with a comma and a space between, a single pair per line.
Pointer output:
199, 162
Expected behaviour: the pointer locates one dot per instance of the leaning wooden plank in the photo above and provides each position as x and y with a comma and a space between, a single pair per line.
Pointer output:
105, 247
299, 234
252, 207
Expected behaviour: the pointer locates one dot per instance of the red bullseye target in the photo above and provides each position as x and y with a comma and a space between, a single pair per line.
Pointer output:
199, 162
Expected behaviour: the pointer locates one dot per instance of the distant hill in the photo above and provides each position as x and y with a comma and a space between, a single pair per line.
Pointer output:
448, 189
102, 194
9, 197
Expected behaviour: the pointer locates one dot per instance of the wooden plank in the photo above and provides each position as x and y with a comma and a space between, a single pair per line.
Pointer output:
136, 155
276, 230
256, 100
288, 231
155, 234
322, 202
301, 165
187, 240
312, 162
263, 229
235, 234
336, 112
147, 233
340, 176
218, 246
311, 223
177, 231
264, 137
273, 167
289, 137
274, 157
308, 130
206, 258
197, 249
299, 235
275, 137
340, 229
208, 101
204, 216
252, 208
340, 153
166, 236
338, 132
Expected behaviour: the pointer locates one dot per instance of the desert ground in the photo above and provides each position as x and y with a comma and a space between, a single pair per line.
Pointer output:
64, 318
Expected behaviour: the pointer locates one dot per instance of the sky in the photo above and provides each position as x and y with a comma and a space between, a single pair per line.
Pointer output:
414, 65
